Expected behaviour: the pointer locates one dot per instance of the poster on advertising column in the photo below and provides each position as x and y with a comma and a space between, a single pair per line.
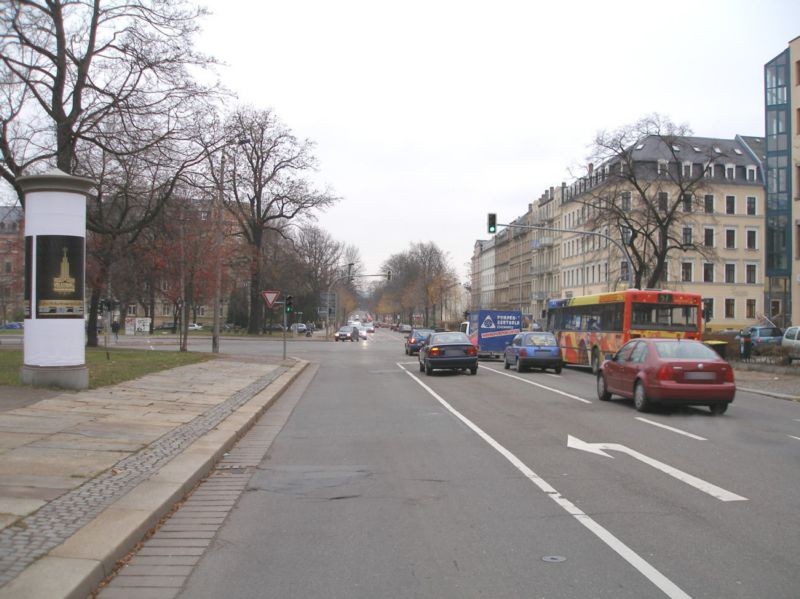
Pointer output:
59, 276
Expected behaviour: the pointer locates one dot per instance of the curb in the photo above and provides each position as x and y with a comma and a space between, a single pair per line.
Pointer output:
770, 393
76, 567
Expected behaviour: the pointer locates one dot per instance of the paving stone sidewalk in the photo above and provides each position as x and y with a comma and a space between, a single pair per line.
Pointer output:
67, 460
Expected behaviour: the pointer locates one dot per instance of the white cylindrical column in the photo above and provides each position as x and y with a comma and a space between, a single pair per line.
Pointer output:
55, 264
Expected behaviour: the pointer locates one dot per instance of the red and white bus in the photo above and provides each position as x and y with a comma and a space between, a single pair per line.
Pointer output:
590, 327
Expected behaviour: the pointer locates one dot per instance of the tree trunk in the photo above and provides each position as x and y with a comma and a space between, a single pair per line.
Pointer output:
94, 304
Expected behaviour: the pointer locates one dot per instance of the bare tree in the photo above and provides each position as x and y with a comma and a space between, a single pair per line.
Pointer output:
113, 74
268, 187
643, 193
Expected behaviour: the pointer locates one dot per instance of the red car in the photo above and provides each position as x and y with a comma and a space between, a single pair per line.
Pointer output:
668, 371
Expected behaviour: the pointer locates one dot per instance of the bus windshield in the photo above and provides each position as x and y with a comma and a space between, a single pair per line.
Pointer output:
660, 317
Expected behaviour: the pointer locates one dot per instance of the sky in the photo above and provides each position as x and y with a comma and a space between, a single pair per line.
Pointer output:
427, 115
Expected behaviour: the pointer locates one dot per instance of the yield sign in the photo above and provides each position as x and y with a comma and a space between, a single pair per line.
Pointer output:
270, 297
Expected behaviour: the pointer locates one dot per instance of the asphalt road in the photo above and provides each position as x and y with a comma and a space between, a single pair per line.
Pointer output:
388, 483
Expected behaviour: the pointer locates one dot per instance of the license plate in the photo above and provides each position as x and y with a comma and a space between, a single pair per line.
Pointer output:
700, 376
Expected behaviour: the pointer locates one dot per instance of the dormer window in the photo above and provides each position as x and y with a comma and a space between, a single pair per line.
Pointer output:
662, 167
730, 171
687, 169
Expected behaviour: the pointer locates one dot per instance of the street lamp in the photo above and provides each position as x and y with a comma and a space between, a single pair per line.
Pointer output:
218, 242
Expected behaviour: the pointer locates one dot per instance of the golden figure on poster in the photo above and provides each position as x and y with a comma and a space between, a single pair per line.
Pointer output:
64, 283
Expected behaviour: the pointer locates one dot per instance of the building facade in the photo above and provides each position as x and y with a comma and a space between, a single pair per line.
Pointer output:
782, 126
12, 264
576, 252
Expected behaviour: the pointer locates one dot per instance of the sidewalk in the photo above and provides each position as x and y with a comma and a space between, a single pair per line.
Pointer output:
83, 476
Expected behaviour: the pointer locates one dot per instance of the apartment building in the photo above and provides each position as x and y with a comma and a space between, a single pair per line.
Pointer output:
782, 126
12, 264
578, 251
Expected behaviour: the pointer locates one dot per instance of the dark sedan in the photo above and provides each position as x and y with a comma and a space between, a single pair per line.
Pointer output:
415, 340
448, 351
669, 371
536, 349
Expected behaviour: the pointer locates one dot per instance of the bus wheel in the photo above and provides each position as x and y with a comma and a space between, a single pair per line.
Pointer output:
595, 361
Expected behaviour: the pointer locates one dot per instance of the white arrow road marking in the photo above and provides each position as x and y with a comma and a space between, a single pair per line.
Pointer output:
519, 378
697, 483
669, 588
793, 437
670, 428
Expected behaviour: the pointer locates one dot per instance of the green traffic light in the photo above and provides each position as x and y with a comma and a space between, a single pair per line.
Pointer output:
492, 223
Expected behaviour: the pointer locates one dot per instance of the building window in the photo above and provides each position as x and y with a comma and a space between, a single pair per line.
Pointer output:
751, 206
750, 308
662, 167
687, 202
686, 272
708, 272
687, 169
751, 173
708, 201
730, 308
166, 309
708, 238
626, 201
8, 268
730, 204
663, 201
750, 274
751, 239
708, 308
730, 239
730, 273
132, 310
687, 236
730, 171
623, 270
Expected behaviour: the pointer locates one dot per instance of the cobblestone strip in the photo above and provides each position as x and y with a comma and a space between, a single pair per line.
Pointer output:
160, 568
54, 523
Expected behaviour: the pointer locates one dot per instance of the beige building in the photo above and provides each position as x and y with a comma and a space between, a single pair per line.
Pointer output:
725, 219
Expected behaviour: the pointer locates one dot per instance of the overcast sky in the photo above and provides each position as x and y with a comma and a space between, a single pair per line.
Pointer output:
429, 114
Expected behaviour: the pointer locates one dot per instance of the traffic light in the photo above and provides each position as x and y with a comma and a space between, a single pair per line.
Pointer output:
389, 275
492, 223
289, 304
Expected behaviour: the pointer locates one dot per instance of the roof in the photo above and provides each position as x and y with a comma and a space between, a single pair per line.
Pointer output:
696, 149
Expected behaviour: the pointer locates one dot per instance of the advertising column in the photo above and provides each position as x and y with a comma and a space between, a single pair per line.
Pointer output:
55, 258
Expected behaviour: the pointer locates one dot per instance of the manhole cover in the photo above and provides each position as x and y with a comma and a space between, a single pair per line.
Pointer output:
554, 559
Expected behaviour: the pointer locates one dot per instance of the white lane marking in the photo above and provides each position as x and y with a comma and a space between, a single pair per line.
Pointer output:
670, 428
669, 588
697, 483
553, 389
793, 437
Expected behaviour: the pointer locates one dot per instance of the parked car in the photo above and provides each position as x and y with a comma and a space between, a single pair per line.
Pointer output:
12, 325
668, 371
450, 351
165, 326
537, 349
273, 326
763, 336
404, 328
195, 327
298, 328
415, 339
791, 341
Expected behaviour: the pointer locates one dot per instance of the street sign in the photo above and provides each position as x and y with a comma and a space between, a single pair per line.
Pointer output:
270, 297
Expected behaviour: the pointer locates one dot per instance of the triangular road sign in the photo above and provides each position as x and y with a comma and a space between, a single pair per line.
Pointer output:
270, 297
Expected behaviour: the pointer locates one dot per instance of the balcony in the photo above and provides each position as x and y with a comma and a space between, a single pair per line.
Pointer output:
542, 242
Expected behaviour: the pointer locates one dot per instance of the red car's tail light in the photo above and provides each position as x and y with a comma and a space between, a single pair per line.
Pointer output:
434, 351
665, 373
472, 351
727, 375
523, 353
